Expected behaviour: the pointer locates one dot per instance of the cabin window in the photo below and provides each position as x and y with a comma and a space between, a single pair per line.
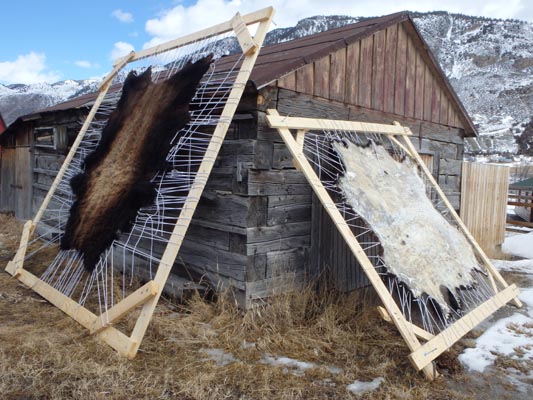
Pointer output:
51, 137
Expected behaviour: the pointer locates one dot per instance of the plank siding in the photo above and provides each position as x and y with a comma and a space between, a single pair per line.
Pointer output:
401, 68
410, 78
337, 76
419, 87
288, 81
378, 70
387, 71
435, 102
305, 79
321, 77
353, 57
484, 203
391, 45
428, 91
365, 72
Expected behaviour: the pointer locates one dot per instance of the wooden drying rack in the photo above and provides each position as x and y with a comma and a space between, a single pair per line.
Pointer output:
149, 294
422, 354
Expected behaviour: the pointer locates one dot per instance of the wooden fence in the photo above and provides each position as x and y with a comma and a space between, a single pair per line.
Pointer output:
484, 203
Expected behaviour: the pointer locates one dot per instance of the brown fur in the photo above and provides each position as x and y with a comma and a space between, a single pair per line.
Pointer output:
133, 147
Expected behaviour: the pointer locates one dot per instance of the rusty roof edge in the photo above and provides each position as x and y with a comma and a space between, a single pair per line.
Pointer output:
451, 91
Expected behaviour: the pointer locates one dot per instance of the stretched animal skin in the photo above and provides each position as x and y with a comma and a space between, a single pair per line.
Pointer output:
133, 147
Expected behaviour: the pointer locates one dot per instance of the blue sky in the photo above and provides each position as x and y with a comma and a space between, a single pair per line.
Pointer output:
58, 39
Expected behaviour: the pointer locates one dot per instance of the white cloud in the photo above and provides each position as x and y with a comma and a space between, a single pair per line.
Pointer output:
86, 64
122, 16
120, 49
181, 19
27, 68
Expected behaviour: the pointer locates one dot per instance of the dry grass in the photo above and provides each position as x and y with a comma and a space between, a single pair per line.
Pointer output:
46, 355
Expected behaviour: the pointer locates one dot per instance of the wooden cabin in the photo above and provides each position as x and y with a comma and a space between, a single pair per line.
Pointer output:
258, 229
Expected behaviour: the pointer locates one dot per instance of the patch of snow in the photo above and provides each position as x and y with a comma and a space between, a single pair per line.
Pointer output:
219, 356
505, 337
521, 266
526, 296
295, 366
360, 387
519, 245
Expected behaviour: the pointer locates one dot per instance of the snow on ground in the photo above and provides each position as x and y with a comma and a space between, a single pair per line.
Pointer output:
519, 245
360, 387
520, 266
295, 366
511, 336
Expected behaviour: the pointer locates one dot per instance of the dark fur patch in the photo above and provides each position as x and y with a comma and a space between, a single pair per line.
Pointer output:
133, 147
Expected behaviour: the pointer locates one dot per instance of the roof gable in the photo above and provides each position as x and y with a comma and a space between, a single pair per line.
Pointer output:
384, 67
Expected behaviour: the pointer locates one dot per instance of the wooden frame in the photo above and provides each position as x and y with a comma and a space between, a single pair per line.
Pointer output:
148, 295
421, 355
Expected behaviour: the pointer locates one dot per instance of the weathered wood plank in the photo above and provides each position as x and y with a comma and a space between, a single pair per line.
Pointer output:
442, 134
337, 75
288, 81
203, 258
401, 68
444, 149
391, 44
287, 209
410, 79
231, 209
444, 103
321, 77
282, 182
305, 79
353, 56
290, 103
275, 285
428, 90
435, 102
281, 157
378, 70
419, 87
365, 72
450, 166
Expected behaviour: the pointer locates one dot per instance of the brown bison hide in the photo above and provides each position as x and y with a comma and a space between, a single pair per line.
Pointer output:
133, 147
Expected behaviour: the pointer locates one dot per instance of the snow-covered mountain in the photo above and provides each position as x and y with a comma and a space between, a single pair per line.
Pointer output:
488, 61
20, 99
